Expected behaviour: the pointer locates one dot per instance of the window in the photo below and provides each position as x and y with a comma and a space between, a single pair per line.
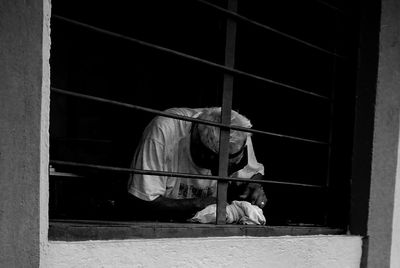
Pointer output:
288, 66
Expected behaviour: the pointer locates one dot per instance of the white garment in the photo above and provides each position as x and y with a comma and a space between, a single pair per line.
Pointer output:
241, 212
244, 212
165, 147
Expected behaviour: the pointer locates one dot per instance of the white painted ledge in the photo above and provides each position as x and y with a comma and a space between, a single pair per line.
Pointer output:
285, 251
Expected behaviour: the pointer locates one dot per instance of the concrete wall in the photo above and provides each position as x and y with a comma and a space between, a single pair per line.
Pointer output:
21, 27
395, 243
24, 110
44, 132
307, 252
384, 177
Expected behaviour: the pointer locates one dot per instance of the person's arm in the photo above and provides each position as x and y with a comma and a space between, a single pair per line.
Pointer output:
254, 193
251, 192
248, 191
163, 208
151, 155
184, 206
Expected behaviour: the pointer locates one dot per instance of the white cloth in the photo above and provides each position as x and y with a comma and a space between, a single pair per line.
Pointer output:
165, 147
241, 212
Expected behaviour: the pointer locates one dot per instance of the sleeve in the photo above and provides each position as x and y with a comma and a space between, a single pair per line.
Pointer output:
252, 167
148, 156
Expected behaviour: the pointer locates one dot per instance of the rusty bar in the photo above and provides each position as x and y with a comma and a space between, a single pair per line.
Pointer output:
268, 28
175, 174
335, 8
332, 115
327, 211
230, 44
190, 119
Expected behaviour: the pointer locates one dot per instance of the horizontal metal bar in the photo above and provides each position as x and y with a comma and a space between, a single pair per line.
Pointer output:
279, 135
190, 119
137, 107
268, 28
175, 174
190, 57
64, 174
331, 6
84, 140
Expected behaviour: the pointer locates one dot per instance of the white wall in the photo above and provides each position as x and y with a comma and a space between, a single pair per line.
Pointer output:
44, 132
395, 245
302, 251
21, 131
24, 109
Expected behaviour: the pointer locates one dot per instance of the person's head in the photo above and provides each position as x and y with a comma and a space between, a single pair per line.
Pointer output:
205, 139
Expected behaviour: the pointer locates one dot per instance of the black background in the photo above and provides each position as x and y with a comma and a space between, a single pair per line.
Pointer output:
88, 62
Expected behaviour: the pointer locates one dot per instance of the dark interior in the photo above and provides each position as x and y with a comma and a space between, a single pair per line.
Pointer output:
92, 63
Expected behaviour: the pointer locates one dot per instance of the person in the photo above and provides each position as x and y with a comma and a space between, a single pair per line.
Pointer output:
174, 145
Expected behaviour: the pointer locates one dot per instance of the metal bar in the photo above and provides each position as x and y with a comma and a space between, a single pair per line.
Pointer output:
331, 122
331, 6
222, 187
137, 107
230, 44
268, 28
190, 57
87, 140
176, 174
190, 119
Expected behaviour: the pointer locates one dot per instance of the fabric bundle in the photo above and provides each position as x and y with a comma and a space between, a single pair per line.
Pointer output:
241, 212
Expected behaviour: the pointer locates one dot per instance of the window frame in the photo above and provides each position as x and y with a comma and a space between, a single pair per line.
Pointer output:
88, 230
80, 230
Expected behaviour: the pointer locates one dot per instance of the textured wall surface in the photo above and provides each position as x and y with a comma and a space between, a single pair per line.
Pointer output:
311, 251
395, 247
24, 107
386, 138
44, 130
21, 25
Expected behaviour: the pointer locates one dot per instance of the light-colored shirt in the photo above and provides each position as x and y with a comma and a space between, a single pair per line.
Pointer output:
165, 146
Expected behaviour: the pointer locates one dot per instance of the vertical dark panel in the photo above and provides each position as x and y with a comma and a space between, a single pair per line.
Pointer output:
364, 124
345, 39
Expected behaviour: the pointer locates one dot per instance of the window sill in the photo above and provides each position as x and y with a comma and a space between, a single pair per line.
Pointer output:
64, 230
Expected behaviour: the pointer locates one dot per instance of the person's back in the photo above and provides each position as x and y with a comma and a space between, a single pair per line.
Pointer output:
165, 147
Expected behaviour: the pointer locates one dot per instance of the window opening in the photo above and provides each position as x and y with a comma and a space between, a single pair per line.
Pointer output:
230, 75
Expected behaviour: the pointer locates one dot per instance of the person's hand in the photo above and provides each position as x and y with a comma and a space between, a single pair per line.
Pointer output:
254, 193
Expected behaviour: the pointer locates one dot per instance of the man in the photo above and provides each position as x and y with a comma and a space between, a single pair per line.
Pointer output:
180, 146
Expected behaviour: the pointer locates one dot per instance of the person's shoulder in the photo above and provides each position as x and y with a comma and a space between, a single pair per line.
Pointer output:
167, 127
164, 121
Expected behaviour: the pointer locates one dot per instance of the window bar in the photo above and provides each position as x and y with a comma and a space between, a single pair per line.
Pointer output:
331, 123
176, 174
268, 28
190, 119
324, 3
331, 127
190, 57
230, 42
